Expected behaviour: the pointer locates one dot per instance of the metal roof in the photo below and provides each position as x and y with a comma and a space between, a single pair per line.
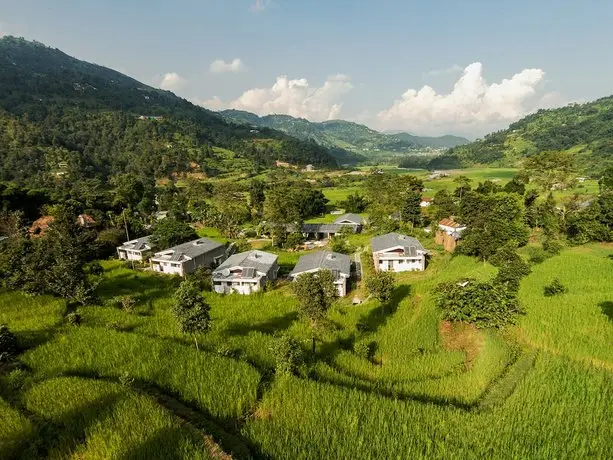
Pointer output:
251, 262
391, 240
323, 260
138, 244
191, 249
353, 218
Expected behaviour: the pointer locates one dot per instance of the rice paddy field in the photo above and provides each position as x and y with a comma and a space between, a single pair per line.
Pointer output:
130, 385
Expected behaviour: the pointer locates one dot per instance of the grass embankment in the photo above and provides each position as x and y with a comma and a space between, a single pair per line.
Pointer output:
224, 388
93, 419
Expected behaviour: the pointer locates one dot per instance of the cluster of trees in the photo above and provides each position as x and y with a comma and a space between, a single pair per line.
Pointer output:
58, 262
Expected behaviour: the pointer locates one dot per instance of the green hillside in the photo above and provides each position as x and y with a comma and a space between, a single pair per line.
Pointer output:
353, 137
583, 129
60, 115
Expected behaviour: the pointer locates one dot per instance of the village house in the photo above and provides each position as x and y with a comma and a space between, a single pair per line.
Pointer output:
85, 220
353, 220
245, 273
425, 202
338, 264
351, 223
139, 249
398, 253
40, 226
188, 257
449, 233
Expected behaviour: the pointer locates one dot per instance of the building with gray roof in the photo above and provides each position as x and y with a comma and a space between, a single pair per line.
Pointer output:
398, 253
245, 272
350, 219
338, 264
188, 257
139, 249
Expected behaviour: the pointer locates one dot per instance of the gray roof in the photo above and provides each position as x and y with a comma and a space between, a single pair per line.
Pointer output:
189, 250
391, 240
251, 262
139, 244
324, 228
326, 260
353, 218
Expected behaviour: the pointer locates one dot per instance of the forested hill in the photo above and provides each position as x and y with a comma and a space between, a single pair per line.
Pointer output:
583, 129
62, 115
344, 134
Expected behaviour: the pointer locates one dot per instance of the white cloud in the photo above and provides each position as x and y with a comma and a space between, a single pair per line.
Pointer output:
221, 66
292, 97
172, 81
473, 103
438, 72
259, 5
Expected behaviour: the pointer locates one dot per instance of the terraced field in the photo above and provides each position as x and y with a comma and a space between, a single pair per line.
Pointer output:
129, 384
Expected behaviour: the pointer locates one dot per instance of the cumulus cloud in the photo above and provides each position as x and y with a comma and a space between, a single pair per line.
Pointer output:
221, 66
172, 81
292, 97
472, 102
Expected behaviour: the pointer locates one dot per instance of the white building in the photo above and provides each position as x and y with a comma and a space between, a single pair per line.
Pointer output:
398, 253
188, 257
139, 249
245, 273
338, 264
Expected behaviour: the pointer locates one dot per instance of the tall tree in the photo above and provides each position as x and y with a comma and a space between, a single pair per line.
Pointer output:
170, 232
191, 310
315, 293
550, 168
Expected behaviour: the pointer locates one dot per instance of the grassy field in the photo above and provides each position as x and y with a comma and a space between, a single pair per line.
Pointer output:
129, 384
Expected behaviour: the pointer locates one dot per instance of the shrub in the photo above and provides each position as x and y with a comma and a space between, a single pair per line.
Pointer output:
537, 255
8, 344
555, 288
293, 240
481, 303
381, 286
288, 355
364, 349
340, 244
127, 302
552, 246
74, 318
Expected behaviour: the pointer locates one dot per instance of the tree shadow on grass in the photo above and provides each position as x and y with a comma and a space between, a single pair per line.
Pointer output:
378, 316
144, 288
279, 323
69, 431
607, 309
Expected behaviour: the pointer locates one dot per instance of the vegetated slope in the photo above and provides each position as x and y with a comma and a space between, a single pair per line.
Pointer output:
585, 129
55, 109
344, 134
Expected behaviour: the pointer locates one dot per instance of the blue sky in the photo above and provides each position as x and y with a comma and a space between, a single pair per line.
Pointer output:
428, 67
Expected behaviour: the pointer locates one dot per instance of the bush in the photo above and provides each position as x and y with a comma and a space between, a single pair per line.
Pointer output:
537, 255
481, 303
74, 318
293, 240
8, 344
364, 349
341, 245
552, 246
555, 288
381, 286
288, 355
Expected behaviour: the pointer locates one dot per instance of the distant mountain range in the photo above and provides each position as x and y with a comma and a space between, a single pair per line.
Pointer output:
586, 130
338, 134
